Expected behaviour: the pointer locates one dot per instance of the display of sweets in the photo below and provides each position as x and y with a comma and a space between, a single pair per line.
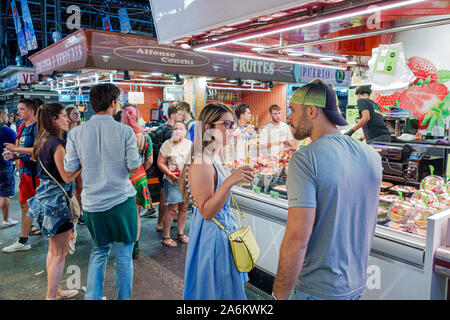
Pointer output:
434, 184
430, 196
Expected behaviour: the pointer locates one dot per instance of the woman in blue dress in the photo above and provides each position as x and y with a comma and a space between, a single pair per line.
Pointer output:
210, 272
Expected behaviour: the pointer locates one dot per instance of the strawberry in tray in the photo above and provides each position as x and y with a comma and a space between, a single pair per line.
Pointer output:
423, 69
421, 99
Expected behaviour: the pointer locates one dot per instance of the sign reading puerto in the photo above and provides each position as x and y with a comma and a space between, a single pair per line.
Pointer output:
333, 76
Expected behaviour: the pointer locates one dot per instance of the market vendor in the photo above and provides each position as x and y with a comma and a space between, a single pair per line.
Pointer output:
371, 118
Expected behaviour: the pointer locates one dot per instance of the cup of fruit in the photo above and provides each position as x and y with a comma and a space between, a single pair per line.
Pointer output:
434, 184
401, 212
425, 195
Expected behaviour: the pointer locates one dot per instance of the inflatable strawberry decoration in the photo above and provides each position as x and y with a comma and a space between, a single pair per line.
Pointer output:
423, 69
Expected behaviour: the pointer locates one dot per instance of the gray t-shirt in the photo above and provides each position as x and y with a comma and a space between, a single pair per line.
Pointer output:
341, 178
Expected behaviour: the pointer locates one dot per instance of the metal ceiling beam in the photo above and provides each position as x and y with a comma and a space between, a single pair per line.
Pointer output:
409, 27
304, 59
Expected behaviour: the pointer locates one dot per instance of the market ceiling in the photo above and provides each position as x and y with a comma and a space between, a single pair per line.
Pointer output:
46, 20
315, 32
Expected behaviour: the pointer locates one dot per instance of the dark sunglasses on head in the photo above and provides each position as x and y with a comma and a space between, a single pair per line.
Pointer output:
228, 124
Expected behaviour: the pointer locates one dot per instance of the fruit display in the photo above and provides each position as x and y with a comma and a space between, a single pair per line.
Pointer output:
386, 185
401, 212
434, 184
403, 189
382, 215
444, 199
421, 194
421, 220
390, 198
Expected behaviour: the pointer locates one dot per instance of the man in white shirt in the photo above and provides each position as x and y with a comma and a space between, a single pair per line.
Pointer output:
276, 135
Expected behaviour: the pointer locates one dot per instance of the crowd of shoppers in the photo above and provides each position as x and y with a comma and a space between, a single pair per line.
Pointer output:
109, 177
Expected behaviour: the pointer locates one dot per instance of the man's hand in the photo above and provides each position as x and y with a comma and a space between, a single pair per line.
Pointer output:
8, 156
349, 132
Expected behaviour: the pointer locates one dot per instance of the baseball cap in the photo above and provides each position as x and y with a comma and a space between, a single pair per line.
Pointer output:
317, 93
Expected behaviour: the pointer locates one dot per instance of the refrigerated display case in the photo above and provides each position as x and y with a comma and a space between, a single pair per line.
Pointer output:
400, 263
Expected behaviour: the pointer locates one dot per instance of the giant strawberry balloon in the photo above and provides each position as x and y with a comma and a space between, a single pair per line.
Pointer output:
423, 69
419, 99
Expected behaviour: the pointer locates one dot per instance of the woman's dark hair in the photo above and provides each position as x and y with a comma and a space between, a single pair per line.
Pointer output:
69, 110
45, 125
34, 103
240, 109
102, 95
363, 90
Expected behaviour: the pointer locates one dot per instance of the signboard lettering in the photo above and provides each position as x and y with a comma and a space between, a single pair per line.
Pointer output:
333, 76
253, 66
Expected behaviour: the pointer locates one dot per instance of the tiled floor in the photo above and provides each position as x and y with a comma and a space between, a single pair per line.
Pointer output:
158, 272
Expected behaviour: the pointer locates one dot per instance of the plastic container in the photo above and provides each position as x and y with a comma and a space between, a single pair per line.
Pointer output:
401, 212
419, 195
421, 220
382, 215
434, 184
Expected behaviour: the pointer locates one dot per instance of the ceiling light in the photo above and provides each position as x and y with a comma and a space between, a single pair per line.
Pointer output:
316, 21
326, 58
270, 59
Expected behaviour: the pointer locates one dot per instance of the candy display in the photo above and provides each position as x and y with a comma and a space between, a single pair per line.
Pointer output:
434, 184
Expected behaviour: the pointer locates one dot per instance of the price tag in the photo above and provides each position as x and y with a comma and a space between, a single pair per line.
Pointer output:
257, 190
274, 194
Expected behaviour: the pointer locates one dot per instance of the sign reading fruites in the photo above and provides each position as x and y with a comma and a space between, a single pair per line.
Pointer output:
252, 66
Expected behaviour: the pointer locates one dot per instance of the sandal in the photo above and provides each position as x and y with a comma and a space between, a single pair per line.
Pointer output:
172, 243
35, 231
182, 238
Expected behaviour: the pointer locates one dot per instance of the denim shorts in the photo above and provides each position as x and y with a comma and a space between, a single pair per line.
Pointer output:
300, 295
7, 181
172, 193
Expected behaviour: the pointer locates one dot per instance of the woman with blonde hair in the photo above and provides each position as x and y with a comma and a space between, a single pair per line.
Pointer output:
210, 270
49, 206
130, 117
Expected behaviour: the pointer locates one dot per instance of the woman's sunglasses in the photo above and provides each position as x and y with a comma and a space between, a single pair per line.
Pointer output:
228, 124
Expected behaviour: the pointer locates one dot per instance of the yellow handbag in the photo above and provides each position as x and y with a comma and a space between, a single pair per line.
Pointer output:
244, 247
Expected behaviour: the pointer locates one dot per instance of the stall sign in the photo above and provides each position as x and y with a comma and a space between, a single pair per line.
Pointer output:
136, 97
330, 76
68, 55
15, 79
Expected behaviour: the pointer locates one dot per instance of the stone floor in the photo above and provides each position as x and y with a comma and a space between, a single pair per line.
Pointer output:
158, 272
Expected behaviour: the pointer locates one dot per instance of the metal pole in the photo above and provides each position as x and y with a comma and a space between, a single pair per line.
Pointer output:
58, 15
2, 38
44, 23
409, 27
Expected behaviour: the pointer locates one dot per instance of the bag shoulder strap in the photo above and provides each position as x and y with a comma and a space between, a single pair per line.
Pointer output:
65, 193
220, 225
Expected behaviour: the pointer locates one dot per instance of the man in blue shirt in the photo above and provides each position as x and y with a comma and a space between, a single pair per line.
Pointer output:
7, 180
331, 223
107, 152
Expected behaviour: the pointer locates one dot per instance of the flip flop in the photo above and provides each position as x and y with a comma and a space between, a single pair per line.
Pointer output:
182, 238
173, 243
35, 231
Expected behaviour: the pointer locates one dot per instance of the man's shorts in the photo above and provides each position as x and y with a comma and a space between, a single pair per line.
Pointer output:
7, 181
26, 189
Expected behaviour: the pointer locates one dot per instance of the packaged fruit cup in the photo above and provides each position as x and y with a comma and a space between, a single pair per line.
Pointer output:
401, 212
382, 215
421, 220
422, 194
434, 184
444, 199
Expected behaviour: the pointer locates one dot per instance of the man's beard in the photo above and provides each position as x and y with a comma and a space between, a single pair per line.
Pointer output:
303, 129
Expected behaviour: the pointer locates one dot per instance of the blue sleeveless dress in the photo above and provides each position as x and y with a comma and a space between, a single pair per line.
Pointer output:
210, 272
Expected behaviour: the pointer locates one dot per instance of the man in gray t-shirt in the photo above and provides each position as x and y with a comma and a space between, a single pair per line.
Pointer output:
333, 187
